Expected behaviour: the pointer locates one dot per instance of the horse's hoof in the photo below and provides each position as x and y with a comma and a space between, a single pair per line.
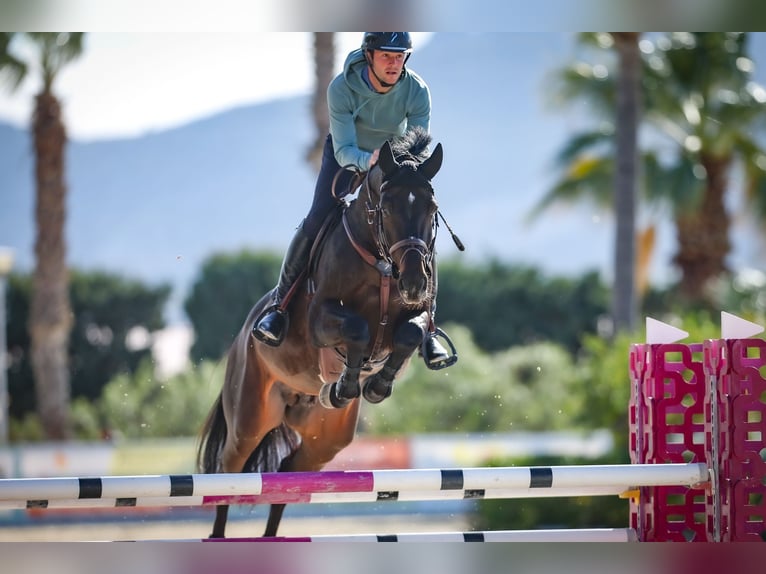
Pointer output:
329, 399
371, 395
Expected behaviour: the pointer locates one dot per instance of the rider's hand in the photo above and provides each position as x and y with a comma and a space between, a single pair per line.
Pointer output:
374, 157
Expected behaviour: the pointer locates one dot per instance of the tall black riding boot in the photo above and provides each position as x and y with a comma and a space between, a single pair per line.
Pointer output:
271, 328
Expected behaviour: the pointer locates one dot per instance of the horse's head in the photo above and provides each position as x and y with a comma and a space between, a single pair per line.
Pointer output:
406, 212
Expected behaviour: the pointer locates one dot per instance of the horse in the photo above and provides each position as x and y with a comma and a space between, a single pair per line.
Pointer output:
356, 319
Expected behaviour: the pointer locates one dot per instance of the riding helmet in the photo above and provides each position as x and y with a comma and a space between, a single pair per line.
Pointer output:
388, 41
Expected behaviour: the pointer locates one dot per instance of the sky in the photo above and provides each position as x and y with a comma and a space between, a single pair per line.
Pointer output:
128, 84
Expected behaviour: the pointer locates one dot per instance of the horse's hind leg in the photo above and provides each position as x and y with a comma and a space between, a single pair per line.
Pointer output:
277, 510
247, 428
407, 337
219, 526
324, 432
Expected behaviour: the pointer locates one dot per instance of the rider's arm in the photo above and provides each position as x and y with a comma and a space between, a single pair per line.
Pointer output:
420, 108
347, 152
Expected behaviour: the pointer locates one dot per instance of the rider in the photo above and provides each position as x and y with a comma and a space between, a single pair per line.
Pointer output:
374, 99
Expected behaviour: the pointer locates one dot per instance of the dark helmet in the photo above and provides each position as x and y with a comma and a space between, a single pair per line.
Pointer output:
388, 41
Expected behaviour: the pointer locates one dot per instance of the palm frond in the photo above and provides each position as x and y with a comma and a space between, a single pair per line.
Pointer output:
585, 143
588, 178
56, 49
11, 66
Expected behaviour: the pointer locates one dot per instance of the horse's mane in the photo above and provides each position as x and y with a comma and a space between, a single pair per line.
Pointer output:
412, 146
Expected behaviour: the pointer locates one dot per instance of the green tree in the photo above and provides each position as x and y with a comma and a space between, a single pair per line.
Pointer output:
140, 405
50, 314
699, 95
505, 305
502, 305
713, 110
105, 308
522, 388
221, 298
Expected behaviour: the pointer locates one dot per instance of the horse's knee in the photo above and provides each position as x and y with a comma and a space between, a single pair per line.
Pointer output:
409, 334
355, 331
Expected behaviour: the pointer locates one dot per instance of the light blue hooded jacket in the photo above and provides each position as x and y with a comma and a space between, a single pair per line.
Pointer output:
361, 120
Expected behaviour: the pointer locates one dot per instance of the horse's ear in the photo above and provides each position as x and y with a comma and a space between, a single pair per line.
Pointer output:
386, 159
433, 164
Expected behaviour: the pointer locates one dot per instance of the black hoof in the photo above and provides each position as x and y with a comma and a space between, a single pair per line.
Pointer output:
329, 399
372, 393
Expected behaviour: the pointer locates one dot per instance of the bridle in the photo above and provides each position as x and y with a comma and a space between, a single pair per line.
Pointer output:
384, 256
382, 260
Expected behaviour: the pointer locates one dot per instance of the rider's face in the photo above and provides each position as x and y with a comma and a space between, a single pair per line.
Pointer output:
388, 65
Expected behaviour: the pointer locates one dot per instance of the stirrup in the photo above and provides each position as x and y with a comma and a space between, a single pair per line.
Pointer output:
449, 361
266, 340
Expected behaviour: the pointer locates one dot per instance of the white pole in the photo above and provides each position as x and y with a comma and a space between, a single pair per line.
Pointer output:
539, 479
558, 535
316, 498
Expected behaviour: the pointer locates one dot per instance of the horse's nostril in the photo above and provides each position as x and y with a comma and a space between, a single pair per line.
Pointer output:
413, 290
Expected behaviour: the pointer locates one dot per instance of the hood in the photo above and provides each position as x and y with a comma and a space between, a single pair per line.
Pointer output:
352, 71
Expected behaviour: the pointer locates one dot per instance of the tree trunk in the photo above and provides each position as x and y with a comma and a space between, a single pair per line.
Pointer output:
50, 317
624, 307
703, 234
324, 64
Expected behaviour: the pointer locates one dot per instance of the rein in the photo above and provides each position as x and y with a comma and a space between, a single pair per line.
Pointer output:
386, 270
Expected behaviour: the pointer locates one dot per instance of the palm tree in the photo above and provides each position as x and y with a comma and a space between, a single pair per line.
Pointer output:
709, 107
698, 94
602, 165
324, 67
50, 316
627, 112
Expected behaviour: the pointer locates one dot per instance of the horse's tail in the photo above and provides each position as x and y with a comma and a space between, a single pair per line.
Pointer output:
212, 438
277, 446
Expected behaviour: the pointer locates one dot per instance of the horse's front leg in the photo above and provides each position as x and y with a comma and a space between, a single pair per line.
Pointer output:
334, 325
407, 338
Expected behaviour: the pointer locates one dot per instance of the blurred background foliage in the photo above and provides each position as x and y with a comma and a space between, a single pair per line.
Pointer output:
533, 357
532, 354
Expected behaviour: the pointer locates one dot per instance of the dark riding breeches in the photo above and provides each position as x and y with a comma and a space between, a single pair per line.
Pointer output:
323, 198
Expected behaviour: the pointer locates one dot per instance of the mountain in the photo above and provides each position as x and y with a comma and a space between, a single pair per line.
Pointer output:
156, 206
